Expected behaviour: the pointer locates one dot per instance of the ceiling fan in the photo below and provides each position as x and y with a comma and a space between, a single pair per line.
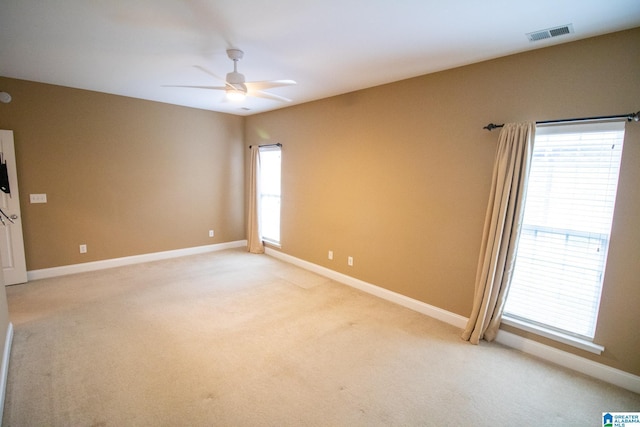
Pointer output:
237, 88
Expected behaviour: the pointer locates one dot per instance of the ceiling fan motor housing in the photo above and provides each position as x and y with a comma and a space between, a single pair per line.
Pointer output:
235, 78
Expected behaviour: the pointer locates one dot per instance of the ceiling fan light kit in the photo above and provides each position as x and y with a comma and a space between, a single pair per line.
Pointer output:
236, 95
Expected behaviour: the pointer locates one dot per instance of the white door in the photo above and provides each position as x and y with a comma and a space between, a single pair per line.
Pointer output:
14, 265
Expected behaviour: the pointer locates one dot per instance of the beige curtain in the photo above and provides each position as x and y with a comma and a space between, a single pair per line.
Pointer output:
254, 238
501, 230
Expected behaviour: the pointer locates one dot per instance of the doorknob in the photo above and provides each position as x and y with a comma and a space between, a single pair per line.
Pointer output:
14, 216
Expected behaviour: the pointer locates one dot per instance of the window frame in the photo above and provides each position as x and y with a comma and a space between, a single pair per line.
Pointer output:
548, 331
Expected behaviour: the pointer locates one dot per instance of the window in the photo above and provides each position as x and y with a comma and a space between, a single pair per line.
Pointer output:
562, 251
270, 161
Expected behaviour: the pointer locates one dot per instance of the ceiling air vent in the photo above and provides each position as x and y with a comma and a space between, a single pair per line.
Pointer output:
550, 33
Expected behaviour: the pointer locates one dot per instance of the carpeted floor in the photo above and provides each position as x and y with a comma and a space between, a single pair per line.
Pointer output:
235, 339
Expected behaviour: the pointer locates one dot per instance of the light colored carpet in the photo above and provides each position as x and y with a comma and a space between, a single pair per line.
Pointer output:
235, 339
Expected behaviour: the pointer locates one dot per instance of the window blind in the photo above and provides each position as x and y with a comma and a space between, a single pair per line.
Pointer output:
562, 251
270, 193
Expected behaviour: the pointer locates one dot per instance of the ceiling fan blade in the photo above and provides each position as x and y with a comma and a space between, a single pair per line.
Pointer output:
211, 73
269, 84
199, 87
266, 95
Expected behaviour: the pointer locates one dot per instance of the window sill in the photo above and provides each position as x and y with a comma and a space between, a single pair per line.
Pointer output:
554, 335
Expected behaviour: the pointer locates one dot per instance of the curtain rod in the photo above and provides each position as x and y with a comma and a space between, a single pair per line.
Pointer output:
629, 117
268, 145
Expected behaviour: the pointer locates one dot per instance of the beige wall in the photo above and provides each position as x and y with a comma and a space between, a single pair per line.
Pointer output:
122, 175
398, 176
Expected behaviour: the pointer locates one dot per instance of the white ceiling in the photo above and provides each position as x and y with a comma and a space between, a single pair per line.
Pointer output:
328, 47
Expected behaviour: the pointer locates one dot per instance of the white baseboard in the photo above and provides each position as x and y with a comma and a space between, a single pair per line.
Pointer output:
4, 368
580, 364
413, 304
135, 259
588, 367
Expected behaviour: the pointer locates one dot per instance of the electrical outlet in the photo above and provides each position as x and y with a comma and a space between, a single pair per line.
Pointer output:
350, 261
330, 255
83, 249
211, 234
